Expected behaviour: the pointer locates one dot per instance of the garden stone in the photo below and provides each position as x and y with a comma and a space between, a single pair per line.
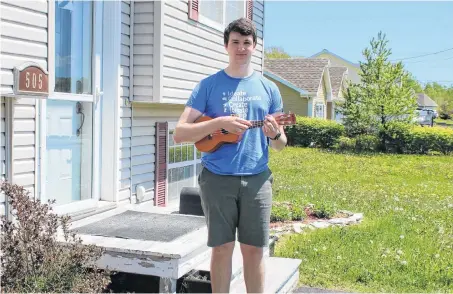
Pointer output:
320, 225
357, 216
341, 221
298, 228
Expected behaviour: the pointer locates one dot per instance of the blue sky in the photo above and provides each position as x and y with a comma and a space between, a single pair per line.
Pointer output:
303, 28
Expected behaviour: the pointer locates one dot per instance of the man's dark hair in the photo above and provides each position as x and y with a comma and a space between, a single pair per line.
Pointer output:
243, 26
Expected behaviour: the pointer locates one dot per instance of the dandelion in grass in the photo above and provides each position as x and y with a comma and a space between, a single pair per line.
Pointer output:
437, 255
403, 262
402, 237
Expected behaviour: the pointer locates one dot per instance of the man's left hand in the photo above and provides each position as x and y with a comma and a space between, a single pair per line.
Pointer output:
270, 127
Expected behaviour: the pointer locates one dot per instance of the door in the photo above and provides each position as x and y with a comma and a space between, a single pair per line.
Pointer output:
69, 113
64, 151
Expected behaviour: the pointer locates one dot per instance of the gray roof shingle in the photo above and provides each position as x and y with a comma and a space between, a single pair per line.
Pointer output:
425, 100
304, 73
336, 78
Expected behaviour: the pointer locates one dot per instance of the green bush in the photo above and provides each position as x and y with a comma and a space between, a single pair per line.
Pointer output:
403, 138
314, 132
367, 143
345, 144
422, 140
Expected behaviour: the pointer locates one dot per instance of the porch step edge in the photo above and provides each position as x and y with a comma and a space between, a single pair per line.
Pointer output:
282, 276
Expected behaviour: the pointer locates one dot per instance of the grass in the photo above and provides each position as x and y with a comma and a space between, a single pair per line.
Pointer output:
405, 242
444, 121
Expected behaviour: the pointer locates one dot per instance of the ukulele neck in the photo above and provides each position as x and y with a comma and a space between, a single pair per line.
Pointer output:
256, 123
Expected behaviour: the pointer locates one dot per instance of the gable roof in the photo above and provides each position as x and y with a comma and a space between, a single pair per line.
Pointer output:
336, 78
303, 73
425, 100
325, 51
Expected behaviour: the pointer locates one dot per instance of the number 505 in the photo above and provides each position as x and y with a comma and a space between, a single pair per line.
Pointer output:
35, 79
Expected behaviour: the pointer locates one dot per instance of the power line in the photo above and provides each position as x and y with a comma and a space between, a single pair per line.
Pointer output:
410, 62
399, 59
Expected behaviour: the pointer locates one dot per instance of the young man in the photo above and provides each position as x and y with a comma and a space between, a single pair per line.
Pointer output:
235, 182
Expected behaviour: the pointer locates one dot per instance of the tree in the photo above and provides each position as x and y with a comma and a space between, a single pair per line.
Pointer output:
443, 96
275, 52
386, 93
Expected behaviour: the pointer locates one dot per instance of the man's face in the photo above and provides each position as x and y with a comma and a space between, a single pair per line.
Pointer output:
240, 48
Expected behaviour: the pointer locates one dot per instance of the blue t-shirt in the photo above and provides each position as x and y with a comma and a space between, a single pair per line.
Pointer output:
250, 98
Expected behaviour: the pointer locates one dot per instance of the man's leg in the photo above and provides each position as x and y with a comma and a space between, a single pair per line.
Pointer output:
253, 268
221, 267
219, 202
255, 203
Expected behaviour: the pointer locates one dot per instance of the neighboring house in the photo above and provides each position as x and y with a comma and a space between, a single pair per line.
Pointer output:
88, 118
338, 76
425, 102
304, 84
335, 60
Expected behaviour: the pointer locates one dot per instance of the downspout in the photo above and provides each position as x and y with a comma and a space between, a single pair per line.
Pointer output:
131, 88
9, 149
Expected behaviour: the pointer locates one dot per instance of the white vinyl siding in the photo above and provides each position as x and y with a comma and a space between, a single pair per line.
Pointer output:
124, 166
142, 155
24, 38
143, 50
192, 52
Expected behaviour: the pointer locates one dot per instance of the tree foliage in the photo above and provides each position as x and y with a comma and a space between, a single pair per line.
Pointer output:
275, 52
386, 93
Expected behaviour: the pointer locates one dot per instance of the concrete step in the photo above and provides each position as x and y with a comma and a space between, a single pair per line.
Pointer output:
282, 276
236, 270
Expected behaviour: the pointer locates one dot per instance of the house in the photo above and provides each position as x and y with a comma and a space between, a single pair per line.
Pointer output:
425, 102
304, 84
90, 95
338, 77
336, 60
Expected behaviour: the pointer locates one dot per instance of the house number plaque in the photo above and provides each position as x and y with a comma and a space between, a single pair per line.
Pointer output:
31, 79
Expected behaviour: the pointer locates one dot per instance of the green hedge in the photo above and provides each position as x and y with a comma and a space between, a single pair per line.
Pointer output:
314, 132
419, 140
396, 138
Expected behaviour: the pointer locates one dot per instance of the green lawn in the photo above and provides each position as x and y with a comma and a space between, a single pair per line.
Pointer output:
405, 242
444, 121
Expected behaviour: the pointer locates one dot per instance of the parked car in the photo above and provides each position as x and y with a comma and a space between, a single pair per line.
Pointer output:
425, 117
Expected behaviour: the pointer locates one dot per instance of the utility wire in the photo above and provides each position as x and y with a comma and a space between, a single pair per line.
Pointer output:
399, 59
410, 62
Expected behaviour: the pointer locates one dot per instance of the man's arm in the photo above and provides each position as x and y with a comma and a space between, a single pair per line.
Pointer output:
271, 129
280, 144
188, 131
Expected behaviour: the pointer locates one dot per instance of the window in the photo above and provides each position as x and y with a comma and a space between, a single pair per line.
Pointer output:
218, 14
73, 47
319, 110
184, 165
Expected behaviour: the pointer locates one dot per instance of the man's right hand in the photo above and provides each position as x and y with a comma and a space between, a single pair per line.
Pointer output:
234, 124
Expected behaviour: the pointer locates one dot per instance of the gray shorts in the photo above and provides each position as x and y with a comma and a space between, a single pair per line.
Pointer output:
236, 202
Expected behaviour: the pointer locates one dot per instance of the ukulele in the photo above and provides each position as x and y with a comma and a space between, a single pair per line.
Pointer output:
215, 140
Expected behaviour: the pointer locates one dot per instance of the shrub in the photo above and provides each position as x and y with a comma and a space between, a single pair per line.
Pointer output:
324, 211
404, 138
345, 144
314, 132
280, 212
34, 260
422, 140
366, 143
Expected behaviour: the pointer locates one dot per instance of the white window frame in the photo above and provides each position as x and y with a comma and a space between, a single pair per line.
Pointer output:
322, 110
100, 14
194, 162
214, 24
